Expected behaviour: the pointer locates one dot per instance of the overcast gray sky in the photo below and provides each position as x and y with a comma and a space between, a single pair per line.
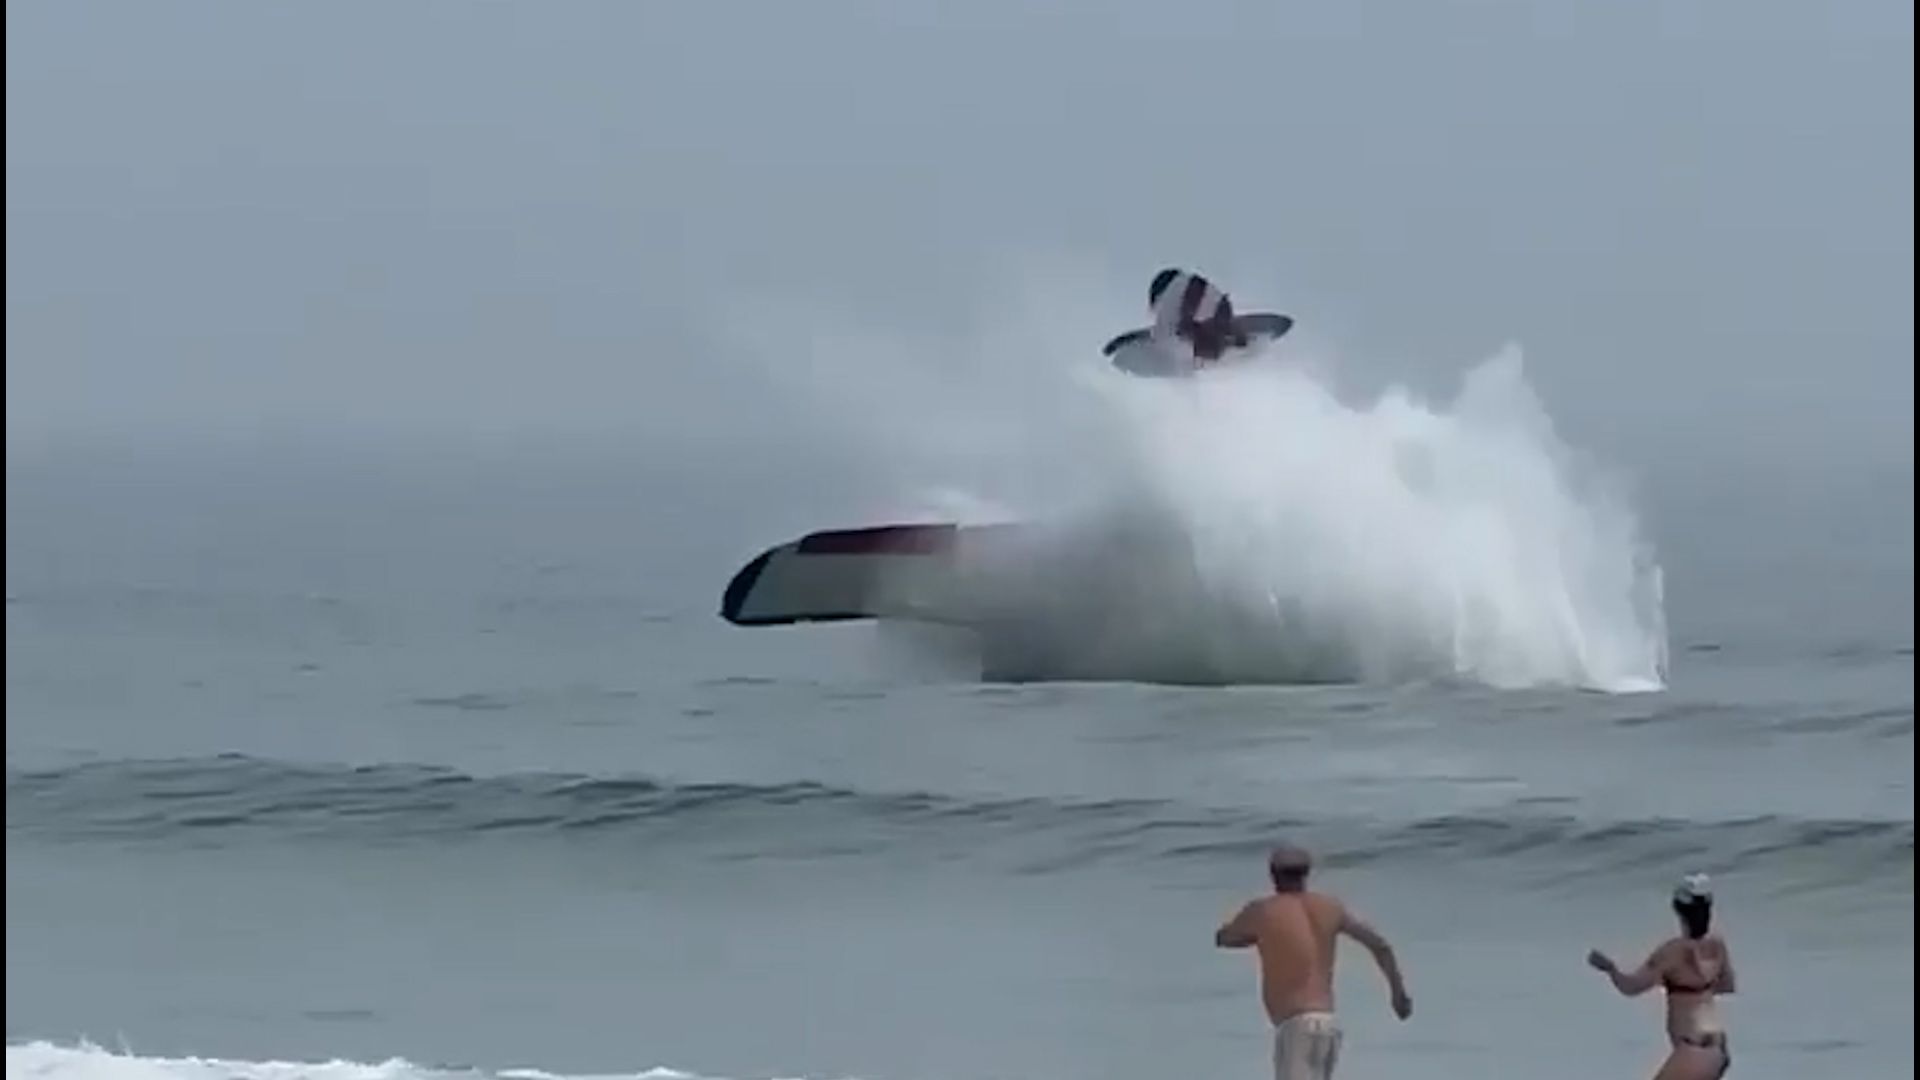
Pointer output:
419, 218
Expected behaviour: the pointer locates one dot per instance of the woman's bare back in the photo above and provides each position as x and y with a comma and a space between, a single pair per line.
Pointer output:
1694, 972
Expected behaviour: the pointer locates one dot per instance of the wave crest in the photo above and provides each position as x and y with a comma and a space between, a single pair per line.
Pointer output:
231, 798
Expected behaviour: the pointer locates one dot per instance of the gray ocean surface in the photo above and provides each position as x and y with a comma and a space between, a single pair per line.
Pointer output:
457, 766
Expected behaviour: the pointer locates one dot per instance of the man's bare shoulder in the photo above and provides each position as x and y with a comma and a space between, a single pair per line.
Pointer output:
1323, 905
1320, 907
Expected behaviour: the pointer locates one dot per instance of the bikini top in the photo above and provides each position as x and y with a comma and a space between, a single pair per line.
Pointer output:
1675, 986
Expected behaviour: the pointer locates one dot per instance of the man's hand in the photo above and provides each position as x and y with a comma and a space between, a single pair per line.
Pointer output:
1363, 932
1601, 962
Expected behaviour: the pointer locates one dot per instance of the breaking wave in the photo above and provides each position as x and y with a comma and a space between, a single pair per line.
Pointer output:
86, 1061
232, 799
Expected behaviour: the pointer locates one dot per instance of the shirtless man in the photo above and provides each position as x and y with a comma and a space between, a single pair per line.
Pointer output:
1294, 931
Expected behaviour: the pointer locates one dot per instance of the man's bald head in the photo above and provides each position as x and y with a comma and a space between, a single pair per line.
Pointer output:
1288, 865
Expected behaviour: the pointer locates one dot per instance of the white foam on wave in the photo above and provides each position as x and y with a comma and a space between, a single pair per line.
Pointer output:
40, 1060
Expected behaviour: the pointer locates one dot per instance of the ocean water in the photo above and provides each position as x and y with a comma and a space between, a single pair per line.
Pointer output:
346, 769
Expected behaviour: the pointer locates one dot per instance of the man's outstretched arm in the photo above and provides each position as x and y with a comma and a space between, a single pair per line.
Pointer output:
1236, 932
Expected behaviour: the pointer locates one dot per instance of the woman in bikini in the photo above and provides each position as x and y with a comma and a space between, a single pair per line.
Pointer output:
1694, 968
